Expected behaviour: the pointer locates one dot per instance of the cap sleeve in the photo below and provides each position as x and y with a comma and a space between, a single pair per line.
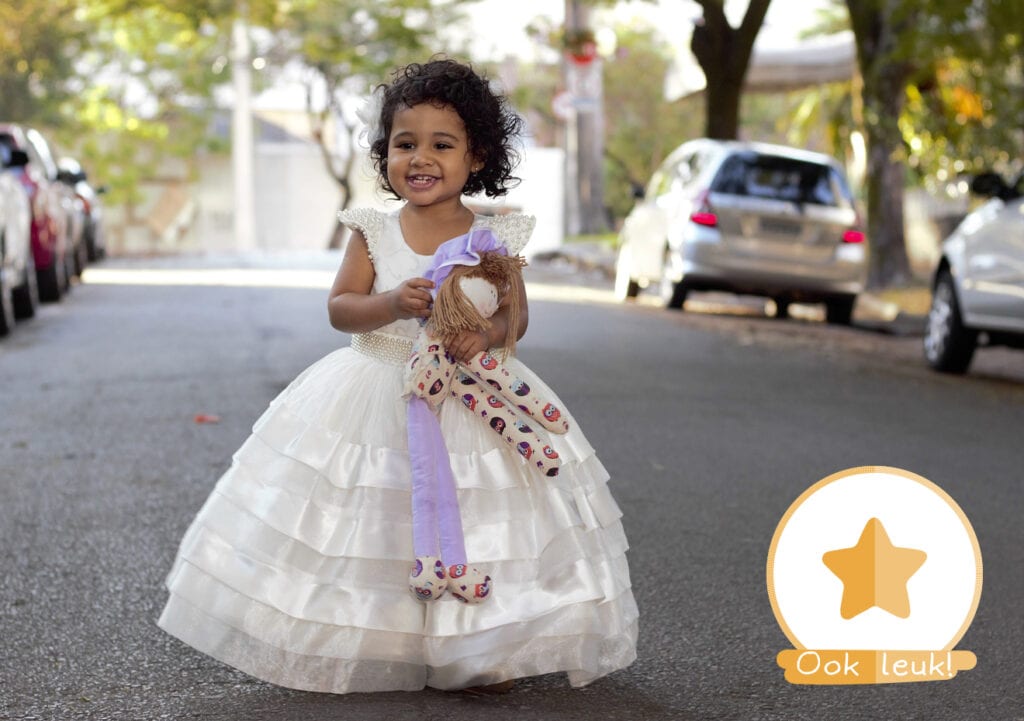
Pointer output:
513, 230
368, 221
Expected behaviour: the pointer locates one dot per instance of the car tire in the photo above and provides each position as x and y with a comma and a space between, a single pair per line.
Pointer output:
948, 345
6, 303
52, 281
26, 295
839, 311
81, 257
626, 286
69, 269
674, 294
92, 251
781, 308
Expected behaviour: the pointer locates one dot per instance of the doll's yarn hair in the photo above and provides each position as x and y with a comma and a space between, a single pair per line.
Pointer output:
491, 125
454, 313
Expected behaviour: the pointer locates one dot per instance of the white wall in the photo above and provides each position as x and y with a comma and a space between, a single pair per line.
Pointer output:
296, 200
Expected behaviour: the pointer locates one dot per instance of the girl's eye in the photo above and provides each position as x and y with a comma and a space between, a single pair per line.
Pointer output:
442, 146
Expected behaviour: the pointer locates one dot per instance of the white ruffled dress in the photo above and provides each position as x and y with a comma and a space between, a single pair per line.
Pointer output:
295, 570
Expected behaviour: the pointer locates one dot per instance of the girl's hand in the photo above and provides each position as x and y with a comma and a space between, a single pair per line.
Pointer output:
467, 345
412, 299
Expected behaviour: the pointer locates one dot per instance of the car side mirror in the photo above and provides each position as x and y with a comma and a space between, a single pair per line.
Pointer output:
17, 159
989, 185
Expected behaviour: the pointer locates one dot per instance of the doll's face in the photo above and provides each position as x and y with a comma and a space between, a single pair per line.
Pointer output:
481, 293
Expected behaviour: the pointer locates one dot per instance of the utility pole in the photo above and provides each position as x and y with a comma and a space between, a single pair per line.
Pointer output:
584, 142
242, 146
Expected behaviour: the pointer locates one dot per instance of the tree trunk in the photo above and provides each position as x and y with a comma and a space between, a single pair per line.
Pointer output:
885, 180
876, 27
724, 55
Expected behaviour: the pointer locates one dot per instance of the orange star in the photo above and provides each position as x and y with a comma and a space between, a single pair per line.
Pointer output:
874, 572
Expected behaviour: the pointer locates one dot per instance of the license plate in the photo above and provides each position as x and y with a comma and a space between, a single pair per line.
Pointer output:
778, 226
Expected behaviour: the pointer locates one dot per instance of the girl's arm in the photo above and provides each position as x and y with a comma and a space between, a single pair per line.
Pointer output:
465, 346
353, 309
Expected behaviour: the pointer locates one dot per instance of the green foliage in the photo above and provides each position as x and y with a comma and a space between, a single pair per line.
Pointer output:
39, 40
642, 128
151, 70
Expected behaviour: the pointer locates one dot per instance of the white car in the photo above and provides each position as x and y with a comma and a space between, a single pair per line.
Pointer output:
747, 218
18, 294
978, 285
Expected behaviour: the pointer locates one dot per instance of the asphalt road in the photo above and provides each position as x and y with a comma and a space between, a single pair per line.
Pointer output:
711, 424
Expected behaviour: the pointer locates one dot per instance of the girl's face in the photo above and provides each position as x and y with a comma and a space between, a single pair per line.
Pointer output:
428, 155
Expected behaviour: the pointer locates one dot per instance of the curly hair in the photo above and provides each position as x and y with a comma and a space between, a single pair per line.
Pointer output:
492, 127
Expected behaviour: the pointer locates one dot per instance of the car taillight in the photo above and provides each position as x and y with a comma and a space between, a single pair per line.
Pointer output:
853, 236
704, 215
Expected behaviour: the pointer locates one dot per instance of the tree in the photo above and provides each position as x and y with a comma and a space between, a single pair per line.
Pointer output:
39, 40
724, 55
938, 99
885, 70
641, 127
347, 46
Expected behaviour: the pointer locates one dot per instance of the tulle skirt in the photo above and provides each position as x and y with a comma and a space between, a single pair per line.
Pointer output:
295, 570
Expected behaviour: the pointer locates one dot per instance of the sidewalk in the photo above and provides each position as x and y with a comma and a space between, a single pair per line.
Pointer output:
896, 311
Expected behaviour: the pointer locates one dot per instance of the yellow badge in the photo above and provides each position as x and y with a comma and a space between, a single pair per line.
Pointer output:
874, 575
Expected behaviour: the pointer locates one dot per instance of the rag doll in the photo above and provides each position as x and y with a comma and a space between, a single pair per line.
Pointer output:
471, 274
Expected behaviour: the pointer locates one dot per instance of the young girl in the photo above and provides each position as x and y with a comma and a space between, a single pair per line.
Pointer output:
296, 570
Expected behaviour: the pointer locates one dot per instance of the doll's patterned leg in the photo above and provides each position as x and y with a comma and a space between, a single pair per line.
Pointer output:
516, 391
503, 420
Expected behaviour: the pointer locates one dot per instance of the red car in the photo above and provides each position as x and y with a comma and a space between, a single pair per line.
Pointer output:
52, 202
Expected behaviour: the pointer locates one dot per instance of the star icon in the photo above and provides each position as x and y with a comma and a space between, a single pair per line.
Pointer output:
874, 572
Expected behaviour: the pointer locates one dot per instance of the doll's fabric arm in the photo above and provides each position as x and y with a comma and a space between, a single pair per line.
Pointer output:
429, 371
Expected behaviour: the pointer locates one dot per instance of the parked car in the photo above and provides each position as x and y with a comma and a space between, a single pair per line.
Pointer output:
746, 218
52, 203
18, 294
71, 173
978, 284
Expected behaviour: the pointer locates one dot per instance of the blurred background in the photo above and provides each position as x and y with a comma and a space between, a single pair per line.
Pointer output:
223, 125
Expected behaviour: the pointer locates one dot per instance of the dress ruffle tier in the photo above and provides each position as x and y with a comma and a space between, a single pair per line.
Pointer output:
295, 570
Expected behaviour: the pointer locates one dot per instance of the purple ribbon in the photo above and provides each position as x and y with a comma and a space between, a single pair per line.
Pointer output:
435, 507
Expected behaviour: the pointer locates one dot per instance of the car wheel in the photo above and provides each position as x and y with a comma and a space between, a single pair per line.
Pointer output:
81, 258
625, 285
52, 281
839, 311
26, 295
673, 293
948, 344
6, 303
92, 252
69, 269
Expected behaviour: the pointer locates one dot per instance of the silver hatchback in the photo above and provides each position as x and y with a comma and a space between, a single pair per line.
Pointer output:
746, 218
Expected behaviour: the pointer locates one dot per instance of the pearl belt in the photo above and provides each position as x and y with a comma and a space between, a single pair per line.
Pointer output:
390, 349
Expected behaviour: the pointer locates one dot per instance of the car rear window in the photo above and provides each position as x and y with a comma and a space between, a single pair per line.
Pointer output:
779, 178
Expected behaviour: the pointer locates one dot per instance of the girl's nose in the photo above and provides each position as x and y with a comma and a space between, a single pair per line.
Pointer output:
421, 159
